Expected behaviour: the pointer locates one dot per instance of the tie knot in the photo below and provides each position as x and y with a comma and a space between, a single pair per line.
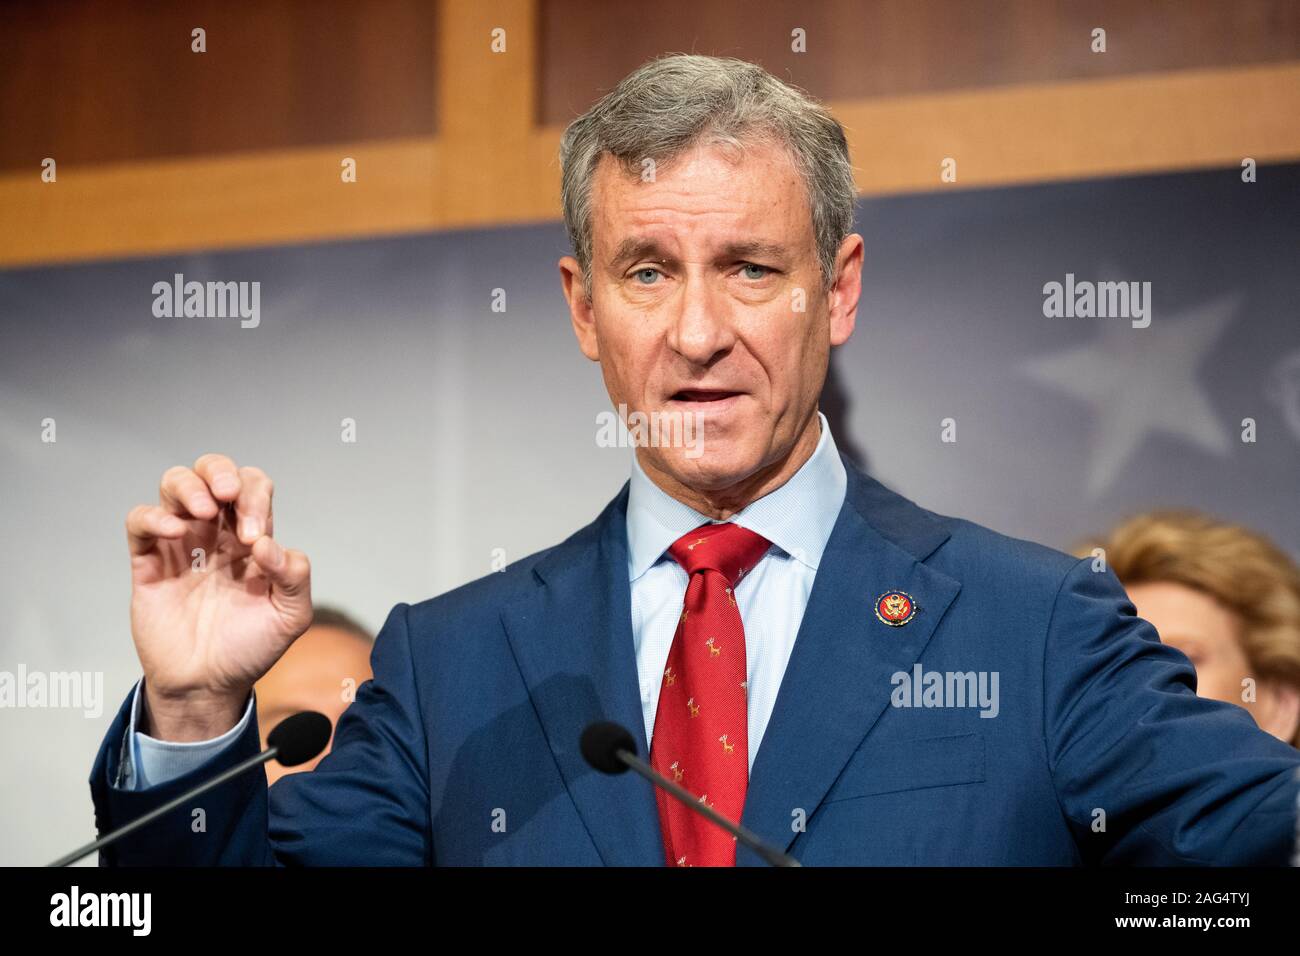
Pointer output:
727, 548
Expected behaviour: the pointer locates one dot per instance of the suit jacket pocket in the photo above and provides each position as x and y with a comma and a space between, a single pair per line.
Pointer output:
888, 766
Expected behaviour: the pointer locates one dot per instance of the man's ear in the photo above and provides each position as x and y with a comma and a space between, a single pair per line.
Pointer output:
580, 311
847, 289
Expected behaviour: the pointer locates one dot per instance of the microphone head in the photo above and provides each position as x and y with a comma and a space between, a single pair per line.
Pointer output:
298, 738
601, 743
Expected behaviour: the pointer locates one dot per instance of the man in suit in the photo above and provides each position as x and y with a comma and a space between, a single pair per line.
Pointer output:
856, 679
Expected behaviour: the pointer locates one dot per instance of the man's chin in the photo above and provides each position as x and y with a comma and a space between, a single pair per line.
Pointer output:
706, 469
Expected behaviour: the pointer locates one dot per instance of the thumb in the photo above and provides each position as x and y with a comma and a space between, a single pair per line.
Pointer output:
289, 572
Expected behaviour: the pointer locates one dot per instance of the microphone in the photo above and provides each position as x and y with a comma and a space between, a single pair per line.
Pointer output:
294, 741
609, 748
298, 738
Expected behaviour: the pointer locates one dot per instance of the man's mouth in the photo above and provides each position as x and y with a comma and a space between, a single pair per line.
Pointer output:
702, 395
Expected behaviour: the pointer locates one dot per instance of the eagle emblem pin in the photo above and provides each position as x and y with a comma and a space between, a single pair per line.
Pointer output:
895, 608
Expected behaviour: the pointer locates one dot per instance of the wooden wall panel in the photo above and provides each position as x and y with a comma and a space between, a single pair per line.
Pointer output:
98, 81
859, 49
157, 157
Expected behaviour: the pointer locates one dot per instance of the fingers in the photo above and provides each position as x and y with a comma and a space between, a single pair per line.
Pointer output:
214, 483
221, 475
145, 524
289, 572
253, 505
184, 493
287, 569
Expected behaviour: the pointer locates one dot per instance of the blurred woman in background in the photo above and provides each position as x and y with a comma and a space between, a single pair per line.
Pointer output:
1226, 597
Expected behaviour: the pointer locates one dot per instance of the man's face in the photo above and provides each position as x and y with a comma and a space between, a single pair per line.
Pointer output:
707, 300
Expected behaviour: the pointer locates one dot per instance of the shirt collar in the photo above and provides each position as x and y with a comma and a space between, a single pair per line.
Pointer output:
797, 517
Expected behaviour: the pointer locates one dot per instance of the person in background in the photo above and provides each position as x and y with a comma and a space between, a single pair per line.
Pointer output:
321, 671
1226, 597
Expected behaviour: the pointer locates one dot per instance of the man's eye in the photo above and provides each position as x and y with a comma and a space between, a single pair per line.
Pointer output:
762, 271
646, 276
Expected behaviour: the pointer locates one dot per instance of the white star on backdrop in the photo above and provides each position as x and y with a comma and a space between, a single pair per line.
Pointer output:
1140, 381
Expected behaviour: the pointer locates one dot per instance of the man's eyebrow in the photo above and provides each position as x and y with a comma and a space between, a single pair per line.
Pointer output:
636, 247
753, 249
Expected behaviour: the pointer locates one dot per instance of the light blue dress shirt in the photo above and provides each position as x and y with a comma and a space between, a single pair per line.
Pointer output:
797, 518
150, 761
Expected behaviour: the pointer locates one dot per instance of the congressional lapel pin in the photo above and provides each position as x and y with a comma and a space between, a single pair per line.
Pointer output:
895, 608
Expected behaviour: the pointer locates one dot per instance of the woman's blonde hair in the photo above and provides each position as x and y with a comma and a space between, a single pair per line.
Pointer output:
1242, 570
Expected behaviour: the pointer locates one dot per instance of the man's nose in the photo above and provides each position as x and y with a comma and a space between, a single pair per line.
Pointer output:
701, 326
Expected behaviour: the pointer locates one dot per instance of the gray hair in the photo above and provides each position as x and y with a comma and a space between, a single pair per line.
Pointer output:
674, 102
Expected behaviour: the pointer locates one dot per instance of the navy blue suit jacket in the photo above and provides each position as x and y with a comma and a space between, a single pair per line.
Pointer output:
463, 750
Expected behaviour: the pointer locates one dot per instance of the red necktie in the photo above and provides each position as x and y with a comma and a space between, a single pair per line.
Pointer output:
701, 737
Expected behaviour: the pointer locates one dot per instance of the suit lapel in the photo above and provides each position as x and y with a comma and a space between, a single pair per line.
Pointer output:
837, 683
572, 638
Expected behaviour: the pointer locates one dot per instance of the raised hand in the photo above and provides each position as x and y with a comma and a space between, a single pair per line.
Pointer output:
215, 599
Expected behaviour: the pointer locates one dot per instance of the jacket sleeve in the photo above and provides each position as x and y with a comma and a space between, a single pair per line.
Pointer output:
366, 803
1146, 772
